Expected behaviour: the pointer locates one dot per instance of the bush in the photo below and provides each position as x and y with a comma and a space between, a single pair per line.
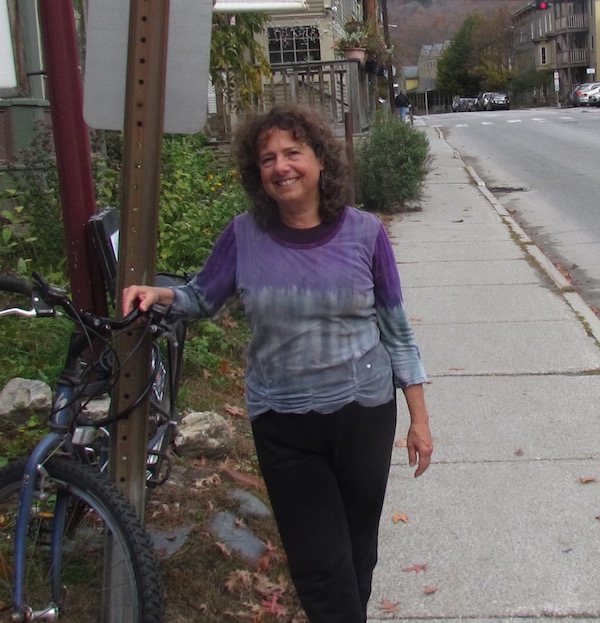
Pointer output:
391, 163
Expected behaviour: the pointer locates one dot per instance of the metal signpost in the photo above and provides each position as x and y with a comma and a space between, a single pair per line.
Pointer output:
128, 64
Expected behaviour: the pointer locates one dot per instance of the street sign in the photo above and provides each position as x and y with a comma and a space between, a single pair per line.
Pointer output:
188, 58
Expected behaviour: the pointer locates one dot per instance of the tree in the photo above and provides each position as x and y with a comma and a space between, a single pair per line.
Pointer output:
237, 60
492, 51
454, 74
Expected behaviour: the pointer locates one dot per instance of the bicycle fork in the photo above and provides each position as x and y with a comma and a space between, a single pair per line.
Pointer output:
33, 486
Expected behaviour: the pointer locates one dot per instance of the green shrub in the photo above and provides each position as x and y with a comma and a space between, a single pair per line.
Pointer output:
200, 193
391, 163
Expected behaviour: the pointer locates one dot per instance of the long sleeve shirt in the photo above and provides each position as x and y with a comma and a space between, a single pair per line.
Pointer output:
325, 309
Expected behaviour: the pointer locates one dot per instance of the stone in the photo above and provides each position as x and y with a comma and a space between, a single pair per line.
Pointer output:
205, 434
22, 397
227, 530
249, 505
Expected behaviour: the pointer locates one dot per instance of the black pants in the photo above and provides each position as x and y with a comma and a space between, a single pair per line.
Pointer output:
326, 477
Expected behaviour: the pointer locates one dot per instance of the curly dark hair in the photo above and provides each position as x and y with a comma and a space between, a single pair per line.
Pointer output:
309, 127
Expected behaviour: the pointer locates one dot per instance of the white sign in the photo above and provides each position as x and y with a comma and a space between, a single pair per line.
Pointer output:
188, 58
8, 73
590, 70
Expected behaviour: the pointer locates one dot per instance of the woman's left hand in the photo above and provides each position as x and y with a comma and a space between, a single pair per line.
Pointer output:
418, 440
420, 446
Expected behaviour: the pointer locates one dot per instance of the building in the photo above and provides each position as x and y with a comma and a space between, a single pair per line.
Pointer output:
558, 43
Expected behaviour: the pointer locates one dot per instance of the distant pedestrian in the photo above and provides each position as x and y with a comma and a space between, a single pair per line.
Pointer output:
402, 104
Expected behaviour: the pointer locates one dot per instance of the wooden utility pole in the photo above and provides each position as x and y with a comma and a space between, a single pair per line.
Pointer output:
143, 131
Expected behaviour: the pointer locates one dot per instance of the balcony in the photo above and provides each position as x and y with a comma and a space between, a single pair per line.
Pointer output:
573, 58
572, 23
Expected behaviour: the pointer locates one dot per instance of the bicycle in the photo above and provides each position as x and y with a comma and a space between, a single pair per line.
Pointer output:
71, 544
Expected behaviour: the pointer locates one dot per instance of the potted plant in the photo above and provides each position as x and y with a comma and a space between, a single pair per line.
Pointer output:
353, 43
378, 55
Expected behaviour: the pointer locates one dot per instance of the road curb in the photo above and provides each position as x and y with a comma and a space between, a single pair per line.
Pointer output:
579, 306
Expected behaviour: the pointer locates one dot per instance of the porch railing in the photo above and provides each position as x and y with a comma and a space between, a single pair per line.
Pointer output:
334, 88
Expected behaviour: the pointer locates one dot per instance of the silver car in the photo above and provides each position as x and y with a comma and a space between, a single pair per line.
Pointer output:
594, 98
584, 92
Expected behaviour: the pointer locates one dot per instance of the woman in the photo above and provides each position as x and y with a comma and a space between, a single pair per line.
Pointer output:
330, 342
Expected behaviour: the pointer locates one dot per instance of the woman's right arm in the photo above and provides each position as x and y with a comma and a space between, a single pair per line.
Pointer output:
144, 297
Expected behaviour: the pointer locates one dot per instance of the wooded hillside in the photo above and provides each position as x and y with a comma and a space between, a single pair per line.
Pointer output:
414, 23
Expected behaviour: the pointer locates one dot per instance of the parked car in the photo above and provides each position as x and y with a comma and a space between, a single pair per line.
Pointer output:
483, 100
586, 92
581, 89
572, 95
594, 98
499, 101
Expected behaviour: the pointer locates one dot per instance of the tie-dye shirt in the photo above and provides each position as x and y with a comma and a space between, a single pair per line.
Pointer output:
325, 309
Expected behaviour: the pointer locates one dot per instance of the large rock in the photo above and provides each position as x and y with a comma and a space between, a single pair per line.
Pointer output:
203, 433
21, 398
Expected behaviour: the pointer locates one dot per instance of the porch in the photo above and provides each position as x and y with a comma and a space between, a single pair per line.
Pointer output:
339, 89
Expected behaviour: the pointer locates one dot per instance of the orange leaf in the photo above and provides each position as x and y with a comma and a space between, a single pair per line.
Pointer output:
388, 606
430, 590
233, 410
416, 568
400, 517
585, 480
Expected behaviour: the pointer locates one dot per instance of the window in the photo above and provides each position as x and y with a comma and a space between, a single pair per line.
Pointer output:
294, 44
543, 51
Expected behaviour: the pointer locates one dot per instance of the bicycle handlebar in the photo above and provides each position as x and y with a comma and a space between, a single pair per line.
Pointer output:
45, 298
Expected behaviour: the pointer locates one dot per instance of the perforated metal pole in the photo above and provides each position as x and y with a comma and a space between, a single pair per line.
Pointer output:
143, 129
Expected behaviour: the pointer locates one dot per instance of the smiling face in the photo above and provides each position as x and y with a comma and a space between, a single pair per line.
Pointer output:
290, 173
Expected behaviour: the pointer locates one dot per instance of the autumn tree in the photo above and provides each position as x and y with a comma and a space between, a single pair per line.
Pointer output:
492, 51
237, 60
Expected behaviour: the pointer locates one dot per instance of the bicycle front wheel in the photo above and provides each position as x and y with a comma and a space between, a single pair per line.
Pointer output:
108, 572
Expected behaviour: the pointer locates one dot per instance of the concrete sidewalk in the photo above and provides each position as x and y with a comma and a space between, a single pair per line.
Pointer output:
504, 525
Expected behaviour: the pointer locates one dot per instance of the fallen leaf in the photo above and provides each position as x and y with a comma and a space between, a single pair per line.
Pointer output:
388, 606
457, 369
233, 410
274, 607
223, 549
519, 452
416, 568
401, 443
585, 480
236, 476
430, 590
400, 517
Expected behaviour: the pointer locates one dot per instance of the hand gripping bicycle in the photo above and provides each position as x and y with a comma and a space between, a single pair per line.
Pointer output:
71, 545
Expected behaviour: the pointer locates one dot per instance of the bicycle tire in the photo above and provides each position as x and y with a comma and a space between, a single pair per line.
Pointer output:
95, 508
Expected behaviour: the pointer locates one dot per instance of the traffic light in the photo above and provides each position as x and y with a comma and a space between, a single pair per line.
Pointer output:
541, 6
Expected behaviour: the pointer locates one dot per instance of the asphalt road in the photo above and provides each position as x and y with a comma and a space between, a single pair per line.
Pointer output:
543, 165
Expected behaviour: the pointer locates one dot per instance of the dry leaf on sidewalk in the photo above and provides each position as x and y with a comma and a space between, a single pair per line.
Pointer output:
391, 607
400, 517
416, 568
